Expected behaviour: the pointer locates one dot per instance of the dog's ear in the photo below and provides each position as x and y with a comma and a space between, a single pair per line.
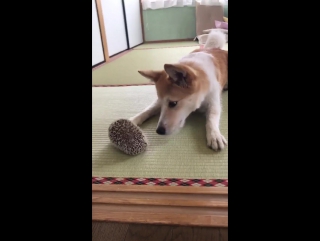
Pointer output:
151, 74
179, 74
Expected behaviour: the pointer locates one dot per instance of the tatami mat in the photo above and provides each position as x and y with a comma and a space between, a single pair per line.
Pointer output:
184, 155
124, 70
167, 45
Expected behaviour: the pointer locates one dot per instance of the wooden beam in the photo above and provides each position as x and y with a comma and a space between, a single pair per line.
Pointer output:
142, 23
102, 30
196, 206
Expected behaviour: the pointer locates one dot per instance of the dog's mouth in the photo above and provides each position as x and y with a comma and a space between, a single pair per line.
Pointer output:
178, 129
181, 123
162, 129
166, 132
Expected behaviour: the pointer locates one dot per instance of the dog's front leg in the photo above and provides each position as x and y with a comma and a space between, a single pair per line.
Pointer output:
215, 139
150, 111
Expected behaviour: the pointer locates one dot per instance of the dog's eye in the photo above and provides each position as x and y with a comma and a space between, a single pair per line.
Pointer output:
172, 104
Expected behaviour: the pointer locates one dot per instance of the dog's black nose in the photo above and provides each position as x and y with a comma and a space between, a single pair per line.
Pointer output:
161, 130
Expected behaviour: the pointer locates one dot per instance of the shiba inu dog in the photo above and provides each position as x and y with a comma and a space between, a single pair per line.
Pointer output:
194, 83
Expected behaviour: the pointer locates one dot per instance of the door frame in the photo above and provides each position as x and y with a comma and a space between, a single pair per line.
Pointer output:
102, 33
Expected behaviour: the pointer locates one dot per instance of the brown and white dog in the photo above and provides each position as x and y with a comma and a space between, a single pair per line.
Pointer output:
194, 83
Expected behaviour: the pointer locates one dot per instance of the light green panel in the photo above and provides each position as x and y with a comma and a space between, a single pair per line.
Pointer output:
169, 23
225, 10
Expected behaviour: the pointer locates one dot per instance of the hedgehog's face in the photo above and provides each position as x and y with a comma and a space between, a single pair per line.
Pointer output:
179, 91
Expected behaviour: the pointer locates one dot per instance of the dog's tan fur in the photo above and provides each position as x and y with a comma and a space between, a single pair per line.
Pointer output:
220, 61
194, 83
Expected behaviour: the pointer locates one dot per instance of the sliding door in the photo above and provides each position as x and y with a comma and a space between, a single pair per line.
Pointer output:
114, 23
122, 23
133, 19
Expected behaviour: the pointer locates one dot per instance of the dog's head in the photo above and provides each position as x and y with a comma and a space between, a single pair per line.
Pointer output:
179, 90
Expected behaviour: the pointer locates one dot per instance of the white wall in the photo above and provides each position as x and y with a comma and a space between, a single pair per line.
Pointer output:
133, 22
114, 25
97, 49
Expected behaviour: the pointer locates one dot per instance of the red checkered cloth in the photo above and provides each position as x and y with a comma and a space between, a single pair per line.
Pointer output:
161, 181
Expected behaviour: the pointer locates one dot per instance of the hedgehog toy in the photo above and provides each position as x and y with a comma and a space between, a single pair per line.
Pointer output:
127, 137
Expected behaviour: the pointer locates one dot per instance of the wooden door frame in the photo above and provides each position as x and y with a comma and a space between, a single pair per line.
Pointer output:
195, 206
102, 30
142, 24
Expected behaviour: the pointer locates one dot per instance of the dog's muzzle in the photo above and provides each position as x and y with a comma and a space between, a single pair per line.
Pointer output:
161, 130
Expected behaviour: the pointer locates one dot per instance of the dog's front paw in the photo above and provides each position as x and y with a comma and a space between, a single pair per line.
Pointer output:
135, 120
216, 140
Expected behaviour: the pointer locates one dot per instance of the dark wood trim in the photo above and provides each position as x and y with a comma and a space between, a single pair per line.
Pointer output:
98, 64
195, 206
142, 24
112, 58
125, 24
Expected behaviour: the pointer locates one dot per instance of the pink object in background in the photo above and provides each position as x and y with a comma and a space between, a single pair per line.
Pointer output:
220, 24
201, 46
